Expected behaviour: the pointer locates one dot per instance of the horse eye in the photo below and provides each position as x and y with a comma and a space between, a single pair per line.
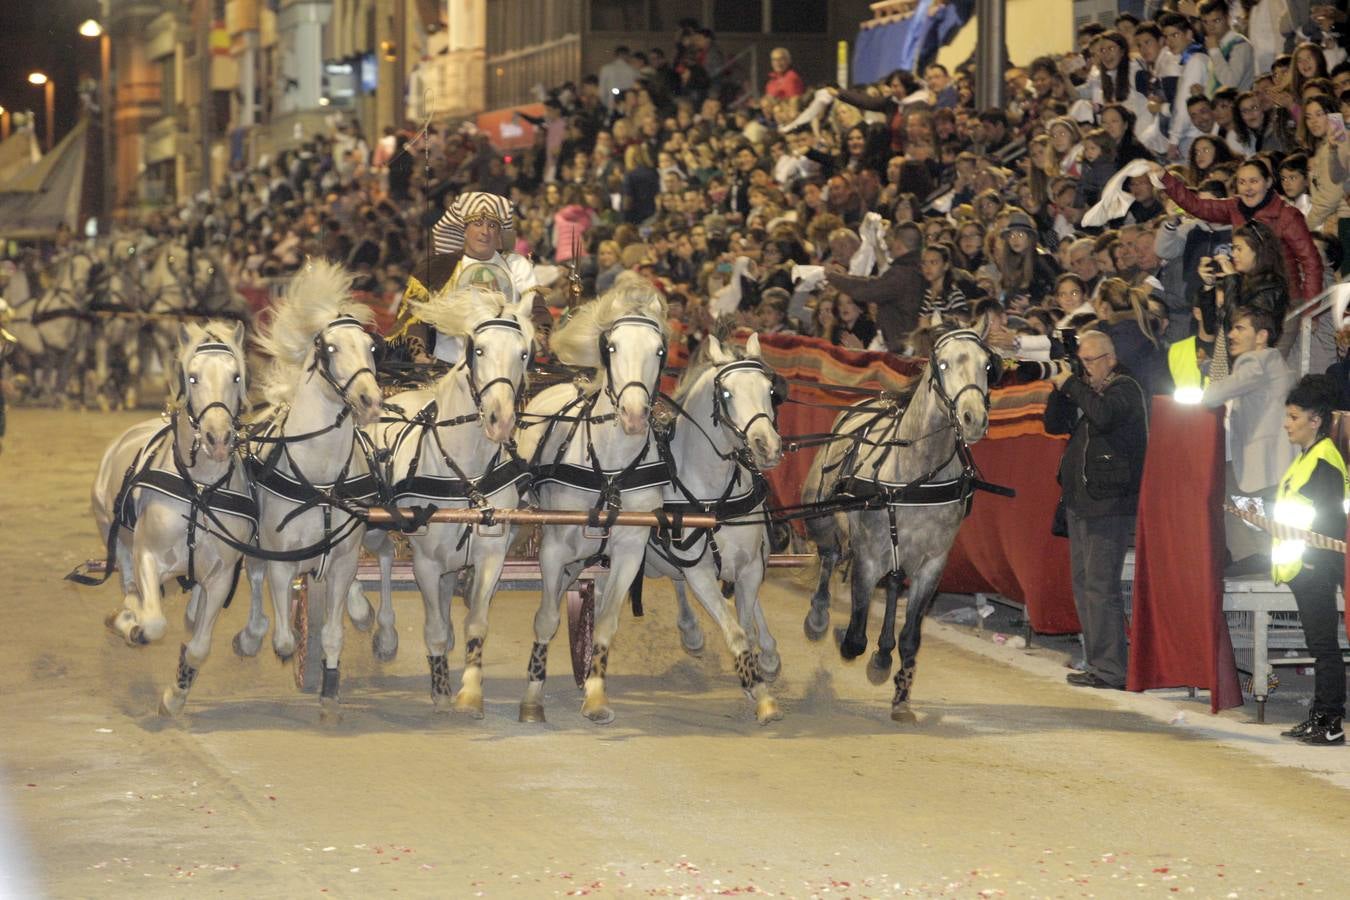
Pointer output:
477, 351
524, 355
942, 365
330, 349
192, 379
726, 395
613, 349
236, 379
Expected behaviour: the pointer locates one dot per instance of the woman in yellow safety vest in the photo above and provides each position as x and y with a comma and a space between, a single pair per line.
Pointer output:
1311, 497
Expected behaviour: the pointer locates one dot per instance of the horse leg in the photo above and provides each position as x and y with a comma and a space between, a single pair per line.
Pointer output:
703, 582
213, 590
555, 578
625, 555
131, 390
818, 616
751, 614
124, 620
250, 637
922, 589
691, 633
427, 569
487, 570
193, 608
337, 581
879, 666
279, 579
151, 624
98, 374
866, 572
385, 639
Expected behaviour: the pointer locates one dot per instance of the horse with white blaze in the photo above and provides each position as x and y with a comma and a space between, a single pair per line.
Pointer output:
173, 500
450, 446
591, 449
308, 460
915, 474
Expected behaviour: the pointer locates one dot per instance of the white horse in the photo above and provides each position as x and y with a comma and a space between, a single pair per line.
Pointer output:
721, 437
212, 293
51, 325
165, 496
916, 472
117, 332
306, 460
438, 455
591, 449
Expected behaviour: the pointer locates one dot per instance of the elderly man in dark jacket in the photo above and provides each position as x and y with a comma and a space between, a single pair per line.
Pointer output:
1105, 413
897, 292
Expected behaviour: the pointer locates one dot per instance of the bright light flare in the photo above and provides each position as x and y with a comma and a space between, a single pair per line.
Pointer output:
90, 28
37, 78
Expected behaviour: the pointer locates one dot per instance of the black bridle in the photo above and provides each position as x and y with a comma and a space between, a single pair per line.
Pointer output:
472, 353
323, 362
721, 412
194, 416
607, 350
938, 368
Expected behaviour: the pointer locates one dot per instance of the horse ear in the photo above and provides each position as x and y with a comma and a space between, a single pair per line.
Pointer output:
752, 346
238, 335
984, 328
184, 336
715, 351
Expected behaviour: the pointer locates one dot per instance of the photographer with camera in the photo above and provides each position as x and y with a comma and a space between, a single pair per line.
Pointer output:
1104, 410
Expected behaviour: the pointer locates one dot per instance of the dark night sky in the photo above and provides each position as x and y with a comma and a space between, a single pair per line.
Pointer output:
41, 34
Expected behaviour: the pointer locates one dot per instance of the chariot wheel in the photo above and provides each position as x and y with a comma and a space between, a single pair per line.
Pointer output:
580, 629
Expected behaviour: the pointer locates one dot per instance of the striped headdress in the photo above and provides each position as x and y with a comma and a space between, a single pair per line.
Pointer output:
447, 235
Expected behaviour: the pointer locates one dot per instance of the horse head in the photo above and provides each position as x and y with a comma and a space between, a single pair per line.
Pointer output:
745, 400
961, 368
344, 356
497, 339
211, 386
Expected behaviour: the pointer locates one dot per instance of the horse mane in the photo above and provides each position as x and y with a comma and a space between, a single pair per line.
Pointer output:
318, 294
576, 342
458, 311
699, 363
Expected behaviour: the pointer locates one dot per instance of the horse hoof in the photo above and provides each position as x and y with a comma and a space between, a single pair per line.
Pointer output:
878, 669
597, 711
441, 703
903, 714
171, 703
847, 649
816, 625
770, 666
693, 649
136, 637
359, 610
469, 704
385, 644
284, 654
766, 711
330, 713
243, 649
531, 712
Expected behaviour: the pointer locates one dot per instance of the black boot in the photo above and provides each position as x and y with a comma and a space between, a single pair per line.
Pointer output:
1301, 729
1326, 731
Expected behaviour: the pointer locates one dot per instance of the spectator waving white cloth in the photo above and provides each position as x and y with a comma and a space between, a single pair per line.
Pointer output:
1116, 198
872, 251
820, 102
726, 301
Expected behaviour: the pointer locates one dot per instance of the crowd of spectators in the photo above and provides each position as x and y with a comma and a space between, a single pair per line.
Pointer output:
1103, 194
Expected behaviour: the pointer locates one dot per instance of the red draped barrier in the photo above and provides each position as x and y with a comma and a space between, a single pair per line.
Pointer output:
1178, 633
1005, 546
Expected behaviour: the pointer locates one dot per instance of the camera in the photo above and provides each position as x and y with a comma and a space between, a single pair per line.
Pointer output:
1037, 370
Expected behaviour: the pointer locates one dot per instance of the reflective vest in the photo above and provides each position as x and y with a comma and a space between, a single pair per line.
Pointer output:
1297, 511
1185, 370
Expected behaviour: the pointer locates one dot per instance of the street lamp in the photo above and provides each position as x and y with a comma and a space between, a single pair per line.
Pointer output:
90, 28
49, 95
4, 124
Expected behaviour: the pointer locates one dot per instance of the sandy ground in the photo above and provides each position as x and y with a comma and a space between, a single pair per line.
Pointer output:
1010, 784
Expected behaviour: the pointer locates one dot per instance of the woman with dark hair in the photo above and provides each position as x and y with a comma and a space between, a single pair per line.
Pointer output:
1116, 76
1028, 273
1311, 497
969, 251
1207, 151
1316, 135
853, 327
1252, 278
1121, 124
945, 291
1258, 201
1250, 123
899, 85
777, 257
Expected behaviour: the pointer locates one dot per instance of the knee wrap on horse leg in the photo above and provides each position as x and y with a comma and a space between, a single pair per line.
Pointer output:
329, 691
599, 662
904, 680
186, 673
440, 675
538, 667
473, 652
747, 670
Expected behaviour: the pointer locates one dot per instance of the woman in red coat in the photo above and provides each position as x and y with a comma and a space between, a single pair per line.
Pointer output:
1256, 199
